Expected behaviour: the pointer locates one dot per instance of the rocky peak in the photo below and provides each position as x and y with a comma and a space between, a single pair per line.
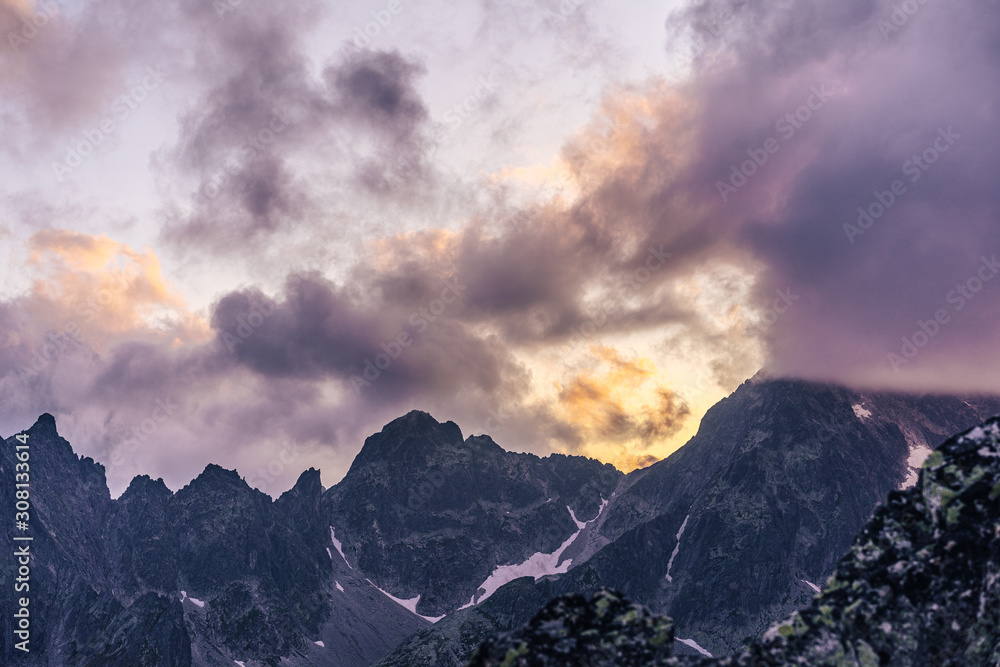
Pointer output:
213, 471
216, 481
410, 438
60, 453
920, 584
145, 486
45, 425
302, 505
307, 486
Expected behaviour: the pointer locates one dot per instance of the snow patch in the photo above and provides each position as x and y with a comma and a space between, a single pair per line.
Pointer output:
320, 644
572, 515
677, 548
582, 524
538, 564
860, 412
918, 454
329, 553
693, 644
600, 511
410, 604
339, 587
240, 663
812, 586
339, 546
184, 596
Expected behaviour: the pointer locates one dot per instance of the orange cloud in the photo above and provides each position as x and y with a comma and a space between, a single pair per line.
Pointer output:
21, 7
106, 289
12, 12
621, 411
631, 126
430, 247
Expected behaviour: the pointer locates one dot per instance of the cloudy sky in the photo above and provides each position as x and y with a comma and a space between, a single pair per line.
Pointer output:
252, 233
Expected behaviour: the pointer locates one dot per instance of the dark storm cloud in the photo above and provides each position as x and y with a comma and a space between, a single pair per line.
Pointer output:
528, 277
137, 401
905, 104
781, 155
798, 115
254, 112
382, 351
376, 90
242, 142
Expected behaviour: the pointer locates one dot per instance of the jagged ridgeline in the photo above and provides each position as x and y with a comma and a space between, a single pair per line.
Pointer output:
434, 541
920, 586
218, 573
739, 527
211, 575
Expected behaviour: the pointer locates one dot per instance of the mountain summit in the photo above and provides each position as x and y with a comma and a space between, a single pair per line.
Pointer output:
410, 439
427, 514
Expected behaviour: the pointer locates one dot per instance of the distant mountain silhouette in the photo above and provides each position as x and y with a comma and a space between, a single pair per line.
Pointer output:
434, 541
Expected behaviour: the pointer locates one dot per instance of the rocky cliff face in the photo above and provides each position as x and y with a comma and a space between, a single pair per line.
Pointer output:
212, 574
452, 640
424, 512
70, 573
733, 531
919, 586
218, 572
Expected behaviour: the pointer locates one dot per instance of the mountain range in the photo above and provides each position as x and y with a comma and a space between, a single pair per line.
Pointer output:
434, 541
919, 586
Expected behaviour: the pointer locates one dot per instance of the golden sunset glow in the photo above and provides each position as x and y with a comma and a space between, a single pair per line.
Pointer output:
107, 289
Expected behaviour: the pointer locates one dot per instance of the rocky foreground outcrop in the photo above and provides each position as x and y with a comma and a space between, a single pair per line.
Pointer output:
920, 586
